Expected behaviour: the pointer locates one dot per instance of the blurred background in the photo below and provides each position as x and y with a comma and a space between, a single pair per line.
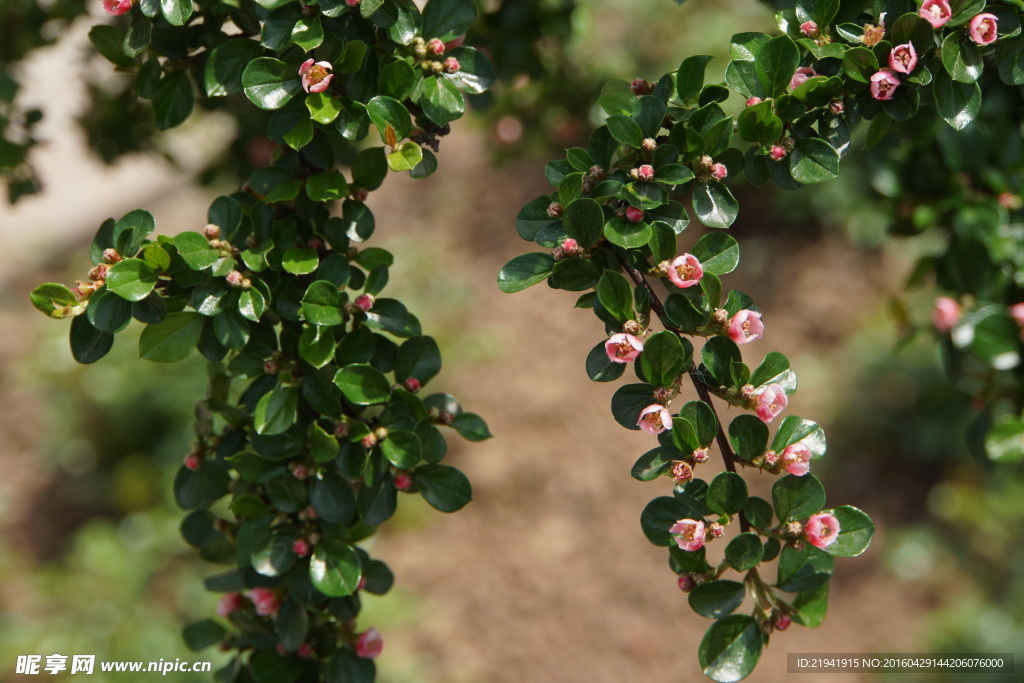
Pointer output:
546, 575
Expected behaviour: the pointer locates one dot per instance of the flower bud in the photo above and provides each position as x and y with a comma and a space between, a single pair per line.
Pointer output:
300, 547
597, 173
634, 215
266, 601
685, 271
809, 29
211, 231
936, 12
381, 433
883, 85
403, 482
435, 46
364, 302
800, 76
771, 401
360, 194
945, 314
983, 29
116, 8
700, 455
445, 417
794, 528
640, 87
111, 256
781, 621
686, 583
837, 106
745, 326
664, 395
645, 173
655, 419
353, 3
769, 458
777, 153
719, 171
623, 348
298, 471
308, 513
99, 272
193, 461
234, 278
305, 651
716, 529
369, 441
554, 210
412, 385
822, 530
1017, 313
316, 77
648, 146
681, 471
689, 534
754, 100
451, 65
341, 429
369, 644
632, 327
271, 367
228, 603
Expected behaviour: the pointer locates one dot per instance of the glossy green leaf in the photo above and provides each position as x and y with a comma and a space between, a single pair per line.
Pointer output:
322, 304
332, 497
525, 271
855, 532
797, 498
176, 12
717, 252
716, 599
804, 569
727, 493
270, 83
794, 429
402, 448
664, 359
334, 568
961, 58
362, 384
690, 76
444, 488
447, 19
584, 221
276, 411
714, 205
958, 103
813, 161
730, 648
615, 296
88, 344
775, 63
441, 100
171, 340
108, 312
625, 130
109, 42
744, 552
748, 436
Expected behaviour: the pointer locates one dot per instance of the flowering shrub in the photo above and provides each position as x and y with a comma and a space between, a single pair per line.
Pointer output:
314, 421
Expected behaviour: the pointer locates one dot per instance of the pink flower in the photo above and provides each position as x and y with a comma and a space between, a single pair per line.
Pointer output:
228, 603
634, 215
884, 84
116, 8
983, 29
266, 601
745, 326
777, 153
903, 58
645, 173
689, 534
770, 402
315, 77
623, 348
435, 46
654, 419
369, 644
364, 302
403, 482
685, 271
719, 171
946, 313
797, 458
809, 29
822, 530
754, 100
353, 3
936, 12
451, 65
301, 547
801, 75
193, 461
1017, 313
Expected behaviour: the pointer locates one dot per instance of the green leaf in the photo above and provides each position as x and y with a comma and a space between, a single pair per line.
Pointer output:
402, 448
811, 605
525, 271
717, 252
362, 384
716, 599
961, 58
1010, 60
758, 512
476, 73
797, 498
661, 514
332, 498
322, 304
195, 250
574, 274
714, 205
718, 356
471, 427
772, 370
702, 418
222, 74
418, 358
748, 436
292, 625
775, 63
583, 220
173, 100
727, 493
759, 123
730, 649
322, 107
626, 234
308, 33
625, 130
441, 100
744, 552
176, 12
384, 112
813, 161
1004, 441
270, 83
274, 556
855, 532
958, 103
276, 411
447, 19
794, 429
334, 569
138, 37
600, 368
88, 344
664, 359
171, 340
690, 76
325, 187
444, 488
860, 64
628, 401
615, 296
654, 463
317, 345
405, 157
398, 80
804, 569
203, 634
323, 447
53, 299
109, 42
